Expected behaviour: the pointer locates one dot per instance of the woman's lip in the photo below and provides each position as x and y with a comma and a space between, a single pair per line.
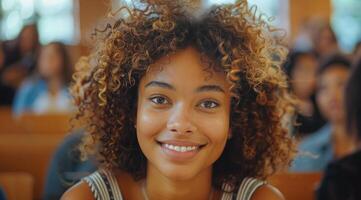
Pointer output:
178, 156
180, 143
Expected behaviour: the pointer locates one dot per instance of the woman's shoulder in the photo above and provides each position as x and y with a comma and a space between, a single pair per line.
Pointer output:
101, 184
268, 192
257, 189
77, 192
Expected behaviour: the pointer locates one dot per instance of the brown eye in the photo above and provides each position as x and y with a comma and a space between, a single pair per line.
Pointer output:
209, 104
159, 100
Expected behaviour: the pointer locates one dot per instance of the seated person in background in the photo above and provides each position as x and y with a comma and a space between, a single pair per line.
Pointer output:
324, 41
356, 53
20, 61
301, 69
46, 91
342, 178
179, 106
331, 141
6, 91
66, 167
2, 194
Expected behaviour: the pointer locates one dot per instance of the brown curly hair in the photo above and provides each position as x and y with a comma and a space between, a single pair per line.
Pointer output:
235, 39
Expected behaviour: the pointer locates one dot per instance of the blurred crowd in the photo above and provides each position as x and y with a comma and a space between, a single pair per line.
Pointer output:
34, 78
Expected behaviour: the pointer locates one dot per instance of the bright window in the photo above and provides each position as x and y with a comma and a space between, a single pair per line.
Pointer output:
277, 9
56, 19
272, 8
346, 21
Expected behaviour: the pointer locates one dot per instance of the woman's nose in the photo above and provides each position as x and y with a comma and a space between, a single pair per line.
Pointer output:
180, 121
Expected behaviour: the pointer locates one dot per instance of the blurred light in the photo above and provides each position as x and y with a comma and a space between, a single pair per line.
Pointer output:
49, 29
48, 7
221, 1
346, 22
27, 8
8, 4
12, 25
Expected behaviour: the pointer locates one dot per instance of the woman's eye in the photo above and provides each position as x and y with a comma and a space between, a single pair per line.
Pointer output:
159, 100
209, 104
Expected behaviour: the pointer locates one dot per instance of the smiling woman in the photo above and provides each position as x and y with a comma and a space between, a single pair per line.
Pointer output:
183, 107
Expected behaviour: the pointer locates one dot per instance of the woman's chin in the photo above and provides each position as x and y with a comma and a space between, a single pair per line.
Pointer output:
178, 173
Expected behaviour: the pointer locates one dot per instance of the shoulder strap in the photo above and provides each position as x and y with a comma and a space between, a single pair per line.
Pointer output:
104, 186
227, 194
248, 187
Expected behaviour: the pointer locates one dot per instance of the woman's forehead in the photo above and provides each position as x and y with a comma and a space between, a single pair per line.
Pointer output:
187, 64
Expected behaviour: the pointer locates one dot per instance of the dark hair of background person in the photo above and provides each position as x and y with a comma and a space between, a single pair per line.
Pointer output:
304, 124
16, 48
342, 177
292, 59
353, 101
325, 41
331, 61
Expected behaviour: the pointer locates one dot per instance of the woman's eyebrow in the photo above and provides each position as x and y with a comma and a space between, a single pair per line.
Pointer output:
210, 88
159, 84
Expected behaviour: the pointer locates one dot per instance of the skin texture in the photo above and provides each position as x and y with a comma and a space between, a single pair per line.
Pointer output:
187, 110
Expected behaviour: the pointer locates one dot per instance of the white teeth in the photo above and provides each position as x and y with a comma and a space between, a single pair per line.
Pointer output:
180, 148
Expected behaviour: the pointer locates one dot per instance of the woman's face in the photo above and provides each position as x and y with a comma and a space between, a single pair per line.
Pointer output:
303, 76
330, 90
50, 62
183, 116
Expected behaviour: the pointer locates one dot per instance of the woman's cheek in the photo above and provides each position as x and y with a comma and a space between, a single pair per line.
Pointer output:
216, 129
149, 122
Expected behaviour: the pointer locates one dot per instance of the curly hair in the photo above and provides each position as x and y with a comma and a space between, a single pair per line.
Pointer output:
234, 39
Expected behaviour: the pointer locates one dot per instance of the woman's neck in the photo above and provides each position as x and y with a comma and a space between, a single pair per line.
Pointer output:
158, 186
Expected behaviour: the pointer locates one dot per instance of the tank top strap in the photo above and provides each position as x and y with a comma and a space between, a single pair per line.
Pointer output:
227, 192
248, 187
103, 185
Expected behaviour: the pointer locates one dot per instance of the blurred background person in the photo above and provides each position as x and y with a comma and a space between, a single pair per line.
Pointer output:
356, 53
46, 90
66, 167
301, 67
23, 50
316, 35
342, 177
19, 61
331, 141
325, 41
6, 91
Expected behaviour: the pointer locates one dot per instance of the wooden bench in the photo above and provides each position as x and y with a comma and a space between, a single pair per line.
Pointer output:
34, 123
30, 153
296, 186
7, 123
17, 185
45, 124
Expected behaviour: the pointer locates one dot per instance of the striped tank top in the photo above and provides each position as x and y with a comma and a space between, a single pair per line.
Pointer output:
104, 186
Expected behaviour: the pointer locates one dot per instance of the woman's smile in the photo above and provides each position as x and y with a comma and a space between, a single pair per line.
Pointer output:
180, 151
